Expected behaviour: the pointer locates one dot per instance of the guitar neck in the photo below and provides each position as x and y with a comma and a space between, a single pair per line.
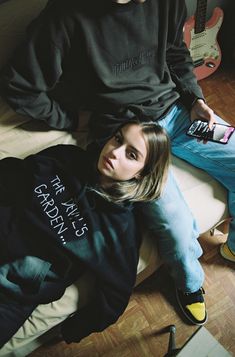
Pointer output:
200, 16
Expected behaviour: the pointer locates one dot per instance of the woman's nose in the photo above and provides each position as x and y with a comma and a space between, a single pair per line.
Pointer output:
116, 152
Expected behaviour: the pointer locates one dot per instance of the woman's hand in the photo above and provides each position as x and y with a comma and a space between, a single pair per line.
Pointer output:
201, 110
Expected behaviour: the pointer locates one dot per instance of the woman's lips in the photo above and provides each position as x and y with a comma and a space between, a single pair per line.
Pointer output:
108, 162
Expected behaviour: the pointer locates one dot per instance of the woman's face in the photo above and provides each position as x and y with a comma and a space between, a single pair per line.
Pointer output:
124, 155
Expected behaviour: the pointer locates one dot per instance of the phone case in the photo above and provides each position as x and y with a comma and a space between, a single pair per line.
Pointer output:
220, 133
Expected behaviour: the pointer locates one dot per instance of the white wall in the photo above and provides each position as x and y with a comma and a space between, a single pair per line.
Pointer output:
14, 16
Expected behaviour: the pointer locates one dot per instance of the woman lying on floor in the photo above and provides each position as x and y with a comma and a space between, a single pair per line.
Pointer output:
65, 212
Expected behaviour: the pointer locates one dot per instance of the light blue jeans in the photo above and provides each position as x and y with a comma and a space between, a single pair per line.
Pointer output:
170, 217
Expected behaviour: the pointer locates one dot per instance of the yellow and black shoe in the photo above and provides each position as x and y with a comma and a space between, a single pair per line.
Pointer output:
193, 306
227, 253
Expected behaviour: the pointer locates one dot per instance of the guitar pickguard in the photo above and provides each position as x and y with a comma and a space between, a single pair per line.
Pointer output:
203, 46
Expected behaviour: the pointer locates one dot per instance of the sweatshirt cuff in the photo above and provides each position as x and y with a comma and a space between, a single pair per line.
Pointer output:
81, 324
196, 99
189, 99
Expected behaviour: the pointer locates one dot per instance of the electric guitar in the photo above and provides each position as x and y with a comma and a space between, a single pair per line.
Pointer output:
201, 39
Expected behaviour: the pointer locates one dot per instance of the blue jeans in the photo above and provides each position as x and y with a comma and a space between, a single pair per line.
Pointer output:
170, 218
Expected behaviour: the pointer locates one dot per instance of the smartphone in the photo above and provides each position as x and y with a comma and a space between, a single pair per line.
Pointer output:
220, 133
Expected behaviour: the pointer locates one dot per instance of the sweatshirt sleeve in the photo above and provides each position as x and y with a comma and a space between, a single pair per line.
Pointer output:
112, 293
16, 175
178, 56
36, 67
100, 313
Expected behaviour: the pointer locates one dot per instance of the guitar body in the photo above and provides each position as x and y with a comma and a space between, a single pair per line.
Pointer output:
203, 46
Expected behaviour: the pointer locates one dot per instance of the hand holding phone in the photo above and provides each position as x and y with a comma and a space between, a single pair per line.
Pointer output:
220, 133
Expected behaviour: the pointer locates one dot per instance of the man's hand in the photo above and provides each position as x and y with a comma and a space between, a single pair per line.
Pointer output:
200, 110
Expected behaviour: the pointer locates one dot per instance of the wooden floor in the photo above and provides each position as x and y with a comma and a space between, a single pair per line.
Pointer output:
141, 331
219, 90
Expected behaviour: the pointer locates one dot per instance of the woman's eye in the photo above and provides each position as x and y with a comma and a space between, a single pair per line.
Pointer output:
132, 155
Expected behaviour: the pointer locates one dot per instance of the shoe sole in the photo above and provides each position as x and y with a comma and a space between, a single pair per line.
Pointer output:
188, 316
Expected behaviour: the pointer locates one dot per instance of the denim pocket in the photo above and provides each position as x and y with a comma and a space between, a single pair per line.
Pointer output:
24, 276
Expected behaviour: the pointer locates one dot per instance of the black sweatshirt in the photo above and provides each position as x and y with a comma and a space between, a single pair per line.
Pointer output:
54, 227
100, 56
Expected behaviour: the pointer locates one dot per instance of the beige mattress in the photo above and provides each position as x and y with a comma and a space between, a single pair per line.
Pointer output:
20, 137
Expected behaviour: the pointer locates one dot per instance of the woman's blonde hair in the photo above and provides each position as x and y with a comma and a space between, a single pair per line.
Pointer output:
150, 182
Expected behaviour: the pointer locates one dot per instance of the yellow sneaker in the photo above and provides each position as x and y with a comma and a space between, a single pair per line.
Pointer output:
193, 306
227, 253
